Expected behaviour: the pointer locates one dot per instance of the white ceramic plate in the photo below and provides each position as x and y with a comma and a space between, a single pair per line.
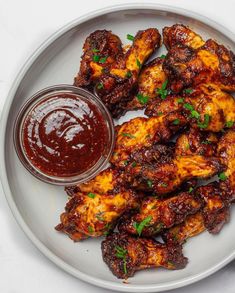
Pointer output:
37, 205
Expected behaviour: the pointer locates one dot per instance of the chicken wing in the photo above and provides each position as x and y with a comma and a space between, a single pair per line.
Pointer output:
181, 35
100, 50
125, 255
151, 78
166, 177
141, 132
117, 84
212, 63
156, 214
206, 107
95, 207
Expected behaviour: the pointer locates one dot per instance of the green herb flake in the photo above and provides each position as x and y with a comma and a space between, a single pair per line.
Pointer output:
229, 124
142, 99
138, 63
188, 91
125, 163
180, 100
91, 195
95, 50
103, 60
96, 58
206, 142
158, 228
163, 56
190, 189
163, 184
188, 106
159, 113
128, 135
176, 122
99, 216
163, 92
128, 74
205, 123
100, 86
140, 226
222, 176
134, 164
90, 229
150, 183
195, 114
122, 253
187, 146
130, 37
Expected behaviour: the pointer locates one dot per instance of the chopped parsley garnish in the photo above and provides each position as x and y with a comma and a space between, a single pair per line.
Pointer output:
103, 60
142, 99
125, 163
190, 189
130, 37
128, 135
188, 91
128, 74
187, 146
158, 228
90, 229
121, 253
176, 122
163, 92
159, 113
222, 176
206, 142
134, 164
205, 123
100, 86
140, 226
138, 63
180, 100
91, 195
188, 107
96, 58
195, 114
163, 184
229, 124
163, 56
95, 50
99, 216
150, 183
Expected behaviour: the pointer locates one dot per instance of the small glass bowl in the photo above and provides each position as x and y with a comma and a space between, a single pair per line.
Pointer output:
45, 94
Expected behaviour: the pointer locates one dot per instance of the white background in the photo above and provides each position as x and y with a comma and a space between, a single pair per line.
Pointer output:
24, 25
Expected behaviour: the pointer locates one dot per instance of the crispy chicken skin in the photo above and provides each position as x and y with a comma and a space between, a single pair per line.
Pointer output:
161, 214
120, 82
181, 35
211, 63
95, 206
151, 78
205, 100
143, 132
226, 150
101, 43
125, 254
163, 178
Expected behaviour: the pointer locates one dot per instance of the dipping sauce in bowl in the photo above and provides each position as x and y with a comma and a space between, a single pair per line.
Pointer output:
64, 135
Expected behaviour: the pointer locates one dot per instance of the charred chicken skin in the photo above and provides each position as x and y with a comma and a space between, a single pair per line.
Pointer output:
125, 254
156, 214
95, 207
100, 50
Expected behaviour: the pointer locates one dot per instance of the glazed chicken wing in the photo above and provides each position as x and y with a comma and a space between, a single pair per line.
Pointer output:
95, 207
116, 86
212, 63
206, 107
156, 214
100, 50
125, 254
181, 35
163, 178
140, 132
151, 78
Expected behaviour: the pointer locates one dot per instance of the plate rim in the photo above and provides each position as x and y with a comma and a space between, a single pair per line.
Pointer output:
3, 174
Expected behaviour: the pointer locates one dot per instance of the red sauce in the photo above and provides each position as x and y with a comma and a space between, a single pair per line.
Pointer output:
64, 135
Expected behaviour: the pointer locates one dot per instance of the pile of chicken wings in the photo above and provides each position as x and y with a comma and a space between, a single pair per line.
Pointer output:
154, 186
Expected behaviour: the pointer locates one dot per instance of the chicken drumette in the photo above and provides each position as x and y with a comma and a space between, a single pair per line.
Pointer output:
125, 254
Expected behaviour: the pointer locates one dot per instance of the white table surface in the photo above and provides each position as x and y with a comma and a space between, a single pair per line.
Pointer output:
24, 25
